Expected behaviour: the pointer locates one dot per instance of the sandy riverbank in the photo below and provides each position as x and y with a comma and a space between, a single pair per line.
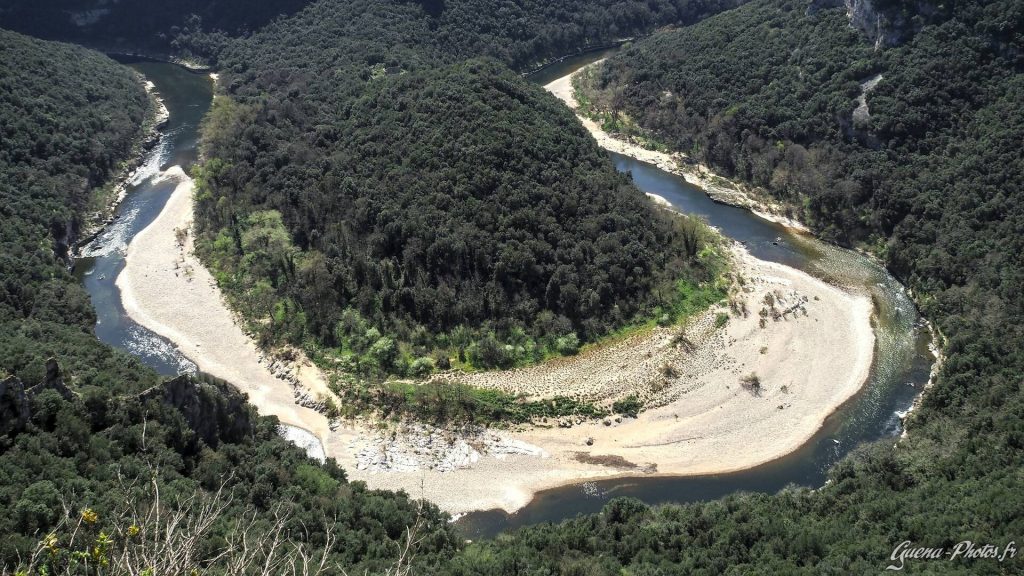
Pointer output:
718, 187
165, 288
811, 360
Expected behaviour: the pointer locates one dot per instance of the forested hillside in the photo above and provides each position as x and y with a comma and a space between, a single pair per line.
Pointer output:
187, 28
933, 180
459, 201
90, 435
68, 118
519, 32
361, 173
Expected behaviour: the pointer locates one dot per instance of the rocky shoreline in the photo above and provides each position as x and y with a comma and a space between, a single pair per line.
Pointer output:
412, 447
152, 133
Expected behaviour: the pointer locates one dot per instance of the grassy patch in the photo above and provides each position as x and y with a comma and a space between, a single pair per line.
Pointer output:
447, 402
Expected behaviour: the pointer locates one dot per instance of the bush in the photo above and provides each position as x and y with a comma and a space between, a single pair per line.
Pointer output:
489, 353
752, 383
721, 319
628, 406
422, 367
384, 351
568, 345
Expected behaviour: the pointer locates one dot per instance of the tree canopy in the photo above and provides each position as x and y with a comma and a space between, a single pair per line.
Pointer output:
361, 173
92, 429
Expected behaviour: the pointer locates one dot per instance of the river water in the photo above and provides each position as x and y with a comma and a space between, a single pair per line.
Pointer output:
902, 359
901, 366
187, 96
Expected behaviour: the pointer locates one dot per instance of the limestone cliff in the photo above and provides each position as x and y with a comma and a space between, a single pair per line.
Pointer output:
215, 412
882, 23
14, 409
16, 398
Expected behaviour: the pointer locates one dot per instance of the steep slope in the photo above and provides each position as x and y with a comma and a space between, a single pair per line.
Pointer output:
186, 27
939, 187
70, 118
359, 178
456, 199
89, 439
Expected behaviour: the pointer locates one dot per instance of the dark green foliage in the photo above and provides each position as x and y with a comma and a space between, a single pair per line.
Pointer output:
184, 27
628, 406
355, 36
449, 206
749, 95
78, 453
520, 32
69, 118
934, 182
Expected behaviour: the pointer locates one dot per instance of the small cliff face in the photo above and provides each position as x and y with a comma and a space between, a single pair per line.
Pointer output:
16, 398
864, 17
14, 408
217, 413
881, 25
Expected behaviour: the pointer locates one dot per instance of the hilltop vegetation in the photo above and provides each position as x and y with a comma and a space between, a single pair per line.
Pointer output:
416, 207
933, 181
190, 28
69, 118
519, 32
81, 435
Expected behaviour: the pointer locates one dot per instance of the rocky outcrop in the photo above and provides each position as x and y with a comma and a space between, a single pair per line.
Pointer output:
16, 398
882, 27
53, 381
865, 18
216, 412
862, 114
14, 407
416, 447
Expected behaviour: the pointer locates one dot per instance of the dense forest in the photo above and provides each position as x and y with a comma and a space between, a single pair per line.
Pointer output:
53, 164
185, 28
92, 429
519, 32
456, 203
929, 177
933, 181
363, 177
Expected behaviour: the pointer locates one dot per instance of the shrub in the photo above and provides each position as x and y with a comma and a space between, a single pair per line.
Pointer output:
628, 406
752, 383
568, 345
422, 367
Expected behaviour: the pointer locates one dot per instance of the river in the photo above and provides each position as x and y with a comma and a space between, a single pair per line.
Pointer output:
902, 359
187, 96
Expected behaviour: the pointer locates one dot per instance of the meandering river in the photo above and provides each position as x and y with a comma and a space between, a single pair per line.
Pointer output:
187, 96
902, 359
